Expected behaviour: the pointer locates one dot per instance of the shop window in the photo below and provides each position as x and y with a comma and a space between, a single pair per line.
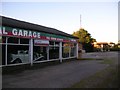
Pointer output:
68, 49
13, 40
66, 44
24, 41
73, 49
52, 43
18, 40
3, 54
17, 54
39, 53
53, 52
72, 53
3, 39
65, 51
72, 44
57, 43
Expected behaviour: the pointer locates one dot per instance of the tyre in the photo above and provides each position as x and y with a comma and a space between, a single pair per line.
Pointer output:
18, 60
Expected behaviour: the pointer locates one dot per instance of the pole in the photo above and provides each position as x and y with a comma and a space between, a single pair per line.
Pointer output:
80, 22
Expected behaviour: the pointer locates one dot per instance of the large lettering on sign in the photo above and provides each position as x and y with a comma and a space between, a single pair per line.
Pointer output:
16, 32
2, 31
19, 32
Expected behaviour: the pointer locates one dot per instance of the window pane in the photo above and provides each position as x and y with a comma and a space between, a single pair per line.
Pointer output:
3, 39
39, 53
13, 40
66, 44
57, 43
65, 52
3, 54
24, 41
18, 54
72, 51
54, 43
51, 43
54, 52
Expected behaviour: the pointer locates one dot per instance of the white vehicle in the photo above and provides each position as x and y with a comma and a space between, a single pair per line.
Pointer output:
23, 57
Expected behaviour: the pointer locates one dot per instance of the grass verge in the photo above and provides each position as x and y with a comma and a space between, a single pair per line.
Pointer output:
100, 80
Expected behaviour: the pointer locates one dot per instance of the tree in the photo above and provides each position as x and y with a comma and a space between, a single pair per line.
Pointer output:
85, 38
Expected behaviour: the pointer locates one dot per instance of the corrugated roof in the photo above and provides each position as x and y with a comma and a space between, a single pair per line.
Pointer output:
6, 21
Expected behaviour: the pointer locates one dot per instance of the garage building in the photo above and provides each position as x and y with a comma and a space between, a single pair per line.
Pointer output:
26, 43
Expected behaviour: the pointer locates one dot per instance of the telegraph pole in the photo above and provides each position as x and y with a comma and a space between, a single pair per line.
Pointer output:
80, 22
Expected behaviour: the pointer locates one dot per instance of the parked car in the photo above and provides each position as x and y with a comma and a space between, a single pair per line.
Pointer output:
22, 56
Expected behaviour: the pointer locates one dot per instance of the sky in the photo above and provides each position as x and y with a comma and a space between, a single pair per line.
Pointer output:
100, 19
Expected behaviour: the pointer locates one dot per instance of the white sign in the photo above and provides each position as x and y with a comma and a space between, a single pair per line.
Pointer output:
19, 32
39, 42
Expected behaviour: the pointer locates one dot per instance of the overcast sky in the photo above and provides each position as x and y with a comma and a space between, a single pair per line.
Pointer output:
100, 19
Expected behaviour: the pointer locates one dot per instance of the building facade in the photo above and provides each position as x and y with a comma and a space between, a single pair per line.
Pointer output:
103, 46
27, 43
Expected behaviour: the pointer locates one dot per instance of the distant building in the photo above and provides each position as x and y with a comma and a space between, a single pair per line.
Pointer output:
118, 43
103, 46
111, 44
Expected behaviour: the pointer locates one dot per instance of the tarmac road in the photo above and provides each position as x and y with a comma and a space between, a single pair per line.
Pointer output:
57, 76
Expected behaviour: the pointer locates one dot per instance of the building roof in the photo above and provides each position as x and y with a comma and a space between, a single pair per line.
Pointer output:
6, 21
100, 43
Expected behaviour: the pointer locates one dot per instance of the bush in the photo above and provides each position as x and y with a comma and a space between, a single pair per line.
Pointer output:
115, 49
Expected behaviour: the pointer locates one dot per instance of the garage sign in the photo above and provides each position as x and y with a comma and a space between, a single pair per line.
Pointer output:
16, 32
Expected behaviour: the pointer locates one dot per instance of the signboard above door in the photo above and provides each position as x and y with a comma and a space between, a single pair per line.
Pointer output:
41, 42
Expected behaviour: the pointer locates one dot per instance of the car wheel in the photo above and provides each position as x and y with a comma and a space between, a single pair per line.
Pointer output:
17, 61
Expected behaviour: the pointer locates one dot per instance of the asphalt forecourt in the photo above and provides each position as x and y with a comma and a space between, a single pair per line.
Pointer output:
55, 76
65, 75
